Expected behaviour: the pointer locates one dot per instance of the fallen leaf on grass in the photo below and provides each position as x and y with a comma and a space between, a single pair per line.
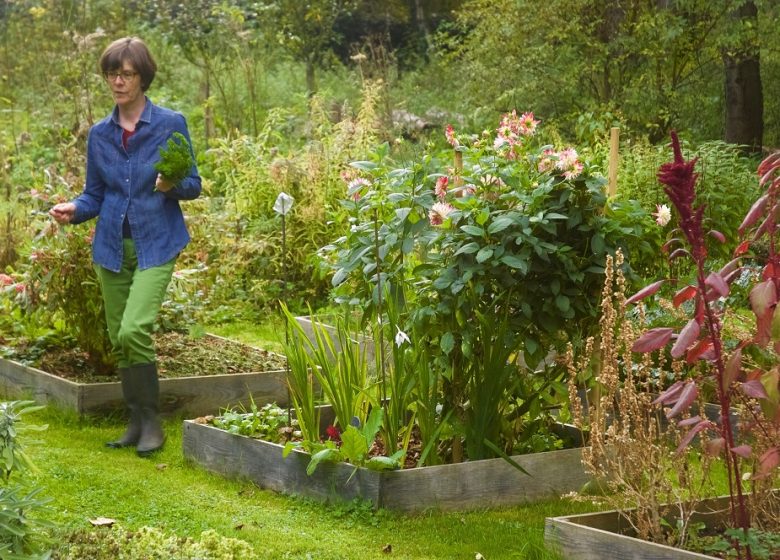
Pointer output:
162, 466
102, 522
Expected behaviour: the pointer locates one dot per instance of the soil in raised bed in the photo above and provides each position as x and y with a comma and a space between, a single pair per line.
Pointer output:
178, 355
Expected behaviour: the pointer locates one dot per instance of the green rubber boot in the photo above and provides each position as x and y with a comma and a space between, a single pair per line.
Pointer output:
130, 393
148, 386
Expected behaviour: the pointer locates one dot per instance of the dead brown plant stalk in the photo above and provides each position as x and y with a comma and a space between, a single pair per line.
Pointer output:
631, 448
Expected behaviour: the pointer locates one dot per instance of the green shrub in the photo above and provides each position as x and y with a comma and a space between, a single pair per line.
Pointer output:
21, 530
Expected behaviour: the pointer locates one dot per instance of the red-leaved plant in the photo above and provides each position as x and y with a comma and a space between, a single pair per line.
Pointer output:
701, 338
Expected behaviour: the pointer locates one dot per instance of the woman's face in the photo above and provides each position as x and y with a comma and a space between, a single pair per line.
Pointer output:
125, 84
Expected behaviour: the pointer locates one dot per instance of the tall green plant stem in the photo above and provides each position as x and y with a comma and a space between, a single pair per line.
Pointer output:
379, 311
455, 393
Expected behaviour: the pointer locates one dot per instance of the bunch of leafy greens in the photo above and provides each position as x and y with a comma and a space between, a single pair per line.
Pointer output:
175, 158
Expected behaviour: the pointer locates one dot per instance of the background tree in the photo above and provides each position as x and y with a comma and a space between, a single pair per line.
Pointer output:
654, 65
744, 99
307, 30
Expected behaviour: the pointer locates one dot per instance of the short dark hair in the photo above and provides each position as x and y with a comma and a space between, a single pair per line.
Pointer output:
134, 51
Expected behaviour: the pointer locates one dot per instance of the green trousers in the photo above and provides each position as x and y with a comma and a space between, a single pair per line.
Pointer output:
132, 299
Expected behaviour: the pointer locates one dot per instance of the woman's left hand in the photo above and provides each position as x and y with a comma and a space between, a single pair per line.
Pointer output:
163, 185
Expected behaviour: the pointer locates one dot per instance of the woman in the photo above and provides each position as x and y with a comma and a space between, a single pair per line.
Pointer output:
140, 230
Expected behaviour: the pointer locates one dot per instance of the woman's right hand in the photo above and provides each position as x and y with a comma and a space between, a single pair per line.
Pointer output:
63, 212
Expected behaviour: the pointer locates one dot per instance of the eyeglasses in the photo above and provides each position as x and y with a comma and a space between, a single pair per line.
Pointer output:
126, 75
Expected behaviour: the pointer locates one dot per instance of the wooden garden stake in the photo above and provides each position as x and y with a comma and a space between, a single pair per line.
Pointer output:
458, 168
614, 157
457, 444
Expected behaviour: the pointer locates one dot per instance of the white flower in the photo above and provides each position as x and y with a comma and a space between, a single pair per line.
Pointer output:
566, 159
663, 215
439, 212
401, 337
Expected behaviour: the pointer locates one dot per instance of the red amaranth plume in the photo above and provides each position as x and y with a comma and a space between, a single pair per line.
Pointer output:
680, 186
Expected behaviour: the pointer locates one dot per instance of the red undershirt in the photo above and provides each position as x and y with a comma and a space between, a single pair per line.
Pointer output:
126, 134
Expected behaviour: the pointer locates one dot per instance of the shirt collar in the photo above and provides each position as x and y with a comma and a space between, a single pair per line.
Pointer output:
146, 115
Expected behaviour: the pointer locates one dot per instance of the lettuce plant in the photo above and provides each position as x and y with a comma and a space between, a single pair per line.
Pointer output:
176, 159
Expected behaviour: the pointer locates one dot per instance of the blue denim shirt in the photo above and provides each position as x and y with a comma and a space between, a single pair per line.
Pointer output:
121, 183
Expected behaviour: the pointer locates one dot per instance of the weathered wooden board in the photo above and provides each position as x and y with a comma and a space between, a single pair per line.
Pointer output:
17, 380
262, 462
470, 485
490, 482
607, 536
189, 396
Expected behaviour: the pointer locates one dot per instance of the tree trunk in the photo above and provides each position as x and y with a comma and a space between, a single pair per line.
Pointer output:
743, 91
208, 116
421, 25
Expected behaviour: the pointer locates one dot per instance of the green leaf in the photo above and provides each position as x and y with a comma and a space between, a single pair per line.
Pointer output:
402, 213
289, 447
353, 445
328, 454
339, 277
500, 224
597, 244
444, 281
562, 302
515, 262
382, 463
369, 268
373, 424
500, 452
484, 254
473, 230
447, 342
468, 248
364, 165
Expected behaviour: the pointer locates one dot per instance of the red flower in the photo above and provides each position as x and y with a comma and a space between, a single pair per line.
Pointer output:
333, 433
680, 181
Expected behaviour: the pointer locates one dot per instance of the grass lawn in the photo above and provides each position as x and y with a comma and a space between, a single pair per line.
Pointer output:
87, 480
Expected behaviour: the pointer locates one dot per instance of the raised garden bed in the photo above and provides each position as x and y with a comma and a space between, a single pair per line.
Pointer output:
191, 395
608, 535
462, 486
